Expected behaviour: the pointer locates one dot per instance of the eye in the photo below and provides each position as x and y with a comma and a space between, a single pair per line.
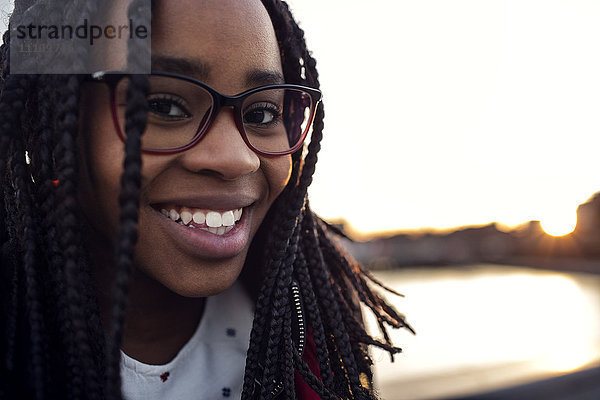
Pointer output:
264, 114
168, 107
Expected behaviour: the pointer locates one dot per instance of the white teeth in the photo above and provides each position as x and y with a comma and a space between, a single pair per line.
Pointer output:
228, 219
186, 217
220, 231
199, 217
237, 214
213, 219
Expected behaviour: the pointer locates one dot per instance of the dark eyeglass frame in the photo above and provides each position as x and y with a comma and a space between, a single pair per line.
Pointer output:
112, 79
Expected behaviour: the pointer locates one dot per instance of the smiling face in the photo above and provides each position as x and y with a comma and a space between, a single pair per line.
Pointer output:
230, 43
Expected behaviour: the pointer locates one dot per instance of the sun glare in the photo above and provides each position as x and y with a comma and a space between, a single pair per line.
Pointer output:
559, 225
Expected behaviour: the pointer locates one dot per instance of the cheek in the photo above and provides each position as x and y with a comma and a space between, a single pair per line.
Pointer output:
277, 170
100, 159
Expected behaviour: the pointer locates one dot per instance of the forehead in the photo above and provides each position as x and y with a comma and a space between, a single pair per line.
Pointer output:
229, 37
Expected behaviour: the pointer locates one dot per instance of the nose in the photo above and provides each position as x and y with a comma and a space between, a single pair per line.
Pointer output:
222, 150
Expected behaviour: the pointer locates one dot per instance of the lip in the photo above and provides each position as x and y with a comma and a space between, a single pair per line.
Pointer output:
203, 244
216, 202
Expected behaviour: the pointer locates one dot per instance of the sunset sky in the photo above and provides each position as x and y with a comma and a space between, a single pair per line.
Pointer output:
444, 113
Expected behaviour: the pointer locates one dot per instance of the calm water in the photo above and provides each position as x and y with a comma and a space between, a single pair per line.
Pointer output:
487, 326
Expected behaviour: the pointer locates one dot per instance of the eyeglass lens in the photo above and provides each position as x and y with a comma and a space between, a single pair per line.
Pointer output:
274, 120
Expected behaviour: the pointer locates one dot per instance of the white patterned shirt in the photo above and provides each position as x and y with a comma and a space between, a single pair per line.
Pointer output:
209, 366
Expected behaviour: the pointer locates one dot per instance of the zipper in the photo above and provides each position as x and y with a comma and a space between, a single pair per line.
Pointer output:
298, 310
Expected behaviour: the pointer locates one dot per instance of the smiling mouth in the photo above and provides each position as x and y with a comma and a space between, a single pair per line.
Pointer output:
216, 222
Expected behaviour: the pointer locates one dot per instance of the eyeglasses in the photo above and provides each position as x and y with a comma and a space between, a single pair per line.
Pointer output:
272, 120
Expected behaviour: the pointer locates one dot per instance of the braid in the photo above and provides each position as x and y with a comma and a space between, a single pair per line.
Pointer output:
4, 54
32, 295
331, 283
357, 276
279, 311
24, 291
287, 210
68, 263
315, 320
273, 289
43, 152
80, 354
59, 357
311, 379
286, 356
11, 310
11, 106
14, 303
136, 114
127, 237
67, 222
332, 311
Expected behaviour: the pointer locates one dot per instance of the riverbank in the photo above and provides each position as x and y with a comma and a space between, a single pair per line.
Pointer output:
562, 264
486, 327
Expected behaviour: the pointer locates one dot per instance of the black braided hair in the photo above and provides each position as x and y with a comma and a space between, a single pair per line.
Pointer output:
50, 318
332, 284
52, 344
135, 124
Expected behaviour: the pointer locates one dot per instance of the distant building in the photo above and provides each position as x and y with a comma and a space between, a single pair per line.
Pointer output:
588, 217
528, 244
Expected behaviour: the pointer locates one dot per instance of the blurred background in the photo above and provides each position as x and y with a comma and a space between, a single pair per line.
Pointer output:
461, 155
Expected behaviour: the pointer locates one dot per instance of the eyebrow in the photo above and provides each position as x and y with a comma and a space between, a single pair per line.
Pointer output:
264, 77
200, 70
183, 66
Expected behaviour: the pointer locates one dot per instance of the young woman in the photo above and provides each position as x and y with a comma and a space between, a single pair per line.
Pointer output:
157, 240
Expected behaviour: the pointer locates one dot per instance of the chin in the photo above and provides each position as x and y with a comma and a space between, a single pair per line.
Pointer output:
203, 289
190, 279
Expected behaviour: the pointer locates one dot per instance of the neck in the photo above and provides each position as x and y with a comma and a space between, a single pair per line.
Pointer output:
158, 323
